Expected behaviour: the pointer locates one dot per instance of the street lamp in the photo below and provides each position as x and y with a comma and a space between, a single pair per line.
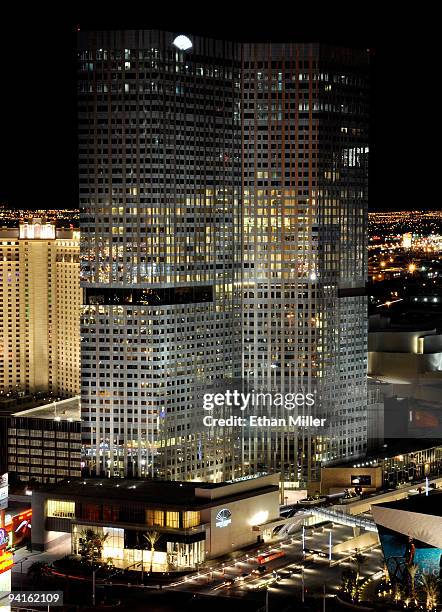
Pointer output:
93, 586
302, 580
21, 572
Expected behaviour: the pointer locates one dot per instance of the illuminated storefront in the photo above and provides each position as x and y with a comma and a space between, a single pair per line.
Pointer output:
18, 526
6, 563
6, 556
192, 521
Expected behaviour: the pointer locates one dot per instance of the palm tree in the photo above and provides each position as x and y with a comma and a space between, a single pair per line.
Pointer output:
152, 538
397, 592
91, 544
412, 570
359, 560
430, 587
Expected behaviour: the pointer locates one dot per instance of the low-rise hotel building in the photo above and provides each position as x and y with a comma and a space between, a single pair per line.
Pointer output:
40, 440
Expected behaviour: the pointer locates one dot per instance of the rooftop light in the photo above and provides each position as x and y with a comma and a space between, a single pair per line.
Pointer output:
182, 42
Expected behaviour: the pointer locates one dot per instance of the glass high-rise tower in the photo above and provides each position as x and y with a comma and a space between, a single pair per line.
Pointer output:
223, 194
160, 179
305, 157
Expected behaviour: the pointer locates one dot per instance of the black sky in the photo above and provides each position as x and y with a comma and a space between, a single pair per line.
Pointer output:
38, 114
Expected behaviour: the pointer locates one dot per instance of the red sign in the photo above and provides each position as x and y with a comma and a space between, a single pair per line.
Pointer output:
6, 561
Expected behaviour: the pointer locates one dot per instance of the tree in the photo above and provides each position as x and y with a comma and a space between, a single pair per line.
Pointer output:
152, 538
37, 570
397, 594
412, 569
430, 587
359, 560
349, 585
91, 544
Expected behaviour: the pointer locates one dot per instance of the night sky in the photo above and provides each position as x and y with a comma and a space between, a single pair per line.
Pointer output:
38, 113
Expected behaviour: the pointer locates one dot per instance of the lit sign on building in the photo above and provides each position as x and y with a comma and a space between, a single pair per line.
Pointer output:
37, 231
6, 561
223, 518
3, 491
4, 539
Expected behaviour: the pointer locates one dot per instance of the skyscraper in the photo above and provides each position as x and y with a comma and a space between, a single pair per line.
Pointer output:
305, 161
40, 309
223, 194
160, 178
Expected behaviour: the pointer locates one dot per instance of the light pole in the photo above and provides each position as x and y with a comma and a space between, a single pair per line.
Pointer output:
302, 580
21, 572
93, 587
267, 599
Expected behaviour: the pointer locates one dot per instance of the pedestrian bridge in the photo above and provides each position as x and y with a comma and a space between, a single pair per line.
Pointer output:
344, 519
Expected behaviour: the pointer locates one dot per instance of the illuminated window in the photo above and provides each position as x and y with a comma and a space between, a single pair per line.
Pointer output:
61, 509
173, 519
155, 517
191, 519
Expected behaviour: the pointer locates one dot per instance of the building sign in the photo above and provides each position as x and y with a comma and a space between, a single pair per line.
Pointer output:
4, 539
6, 561
223, 518
21, 528
3, 491
37, 231
243, 478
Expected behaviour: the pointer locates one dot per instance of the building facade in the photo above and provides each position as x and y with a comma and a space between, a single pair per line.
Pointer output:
41, 442
40, 309
223, 195
377, 472
159, 148
195, 521
305, 159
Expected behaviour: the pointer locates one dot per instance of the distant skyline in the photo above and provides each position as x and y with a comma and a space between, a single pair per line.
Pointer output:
38, 108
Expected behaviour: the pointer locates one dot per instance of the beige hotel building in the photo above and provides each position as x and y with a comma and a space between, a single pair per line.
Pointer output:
39, 309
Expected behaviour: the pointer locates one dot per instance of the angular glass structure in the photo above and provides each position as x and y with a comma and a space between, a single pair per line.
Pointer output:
410, 532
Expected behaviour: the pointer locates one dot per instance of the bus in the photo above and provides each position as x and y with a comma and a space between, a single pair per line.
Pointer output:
266, 557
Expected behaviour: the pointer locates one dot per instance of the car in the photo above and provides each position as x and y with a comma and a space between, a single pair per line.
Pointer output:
261, 569
229, 581
285, 573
